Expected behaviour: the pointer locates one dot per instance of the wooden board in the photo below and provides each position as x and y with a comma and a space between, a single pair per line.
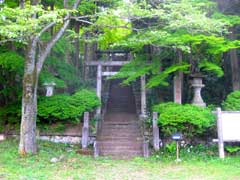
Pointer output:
230, 126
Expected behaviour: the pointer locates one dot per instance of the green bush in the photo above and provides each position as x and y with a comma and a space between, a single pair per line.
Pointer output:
232, 103
188, 119
55, 108
65, 107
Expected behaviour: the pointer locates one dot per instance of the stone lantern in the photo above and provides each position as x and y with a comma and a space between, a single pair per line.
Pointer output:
49, 88
197, 85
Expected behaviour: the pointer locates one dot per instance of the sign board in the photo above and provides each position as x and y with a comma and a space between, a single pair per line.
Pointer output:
231, 126
228, 124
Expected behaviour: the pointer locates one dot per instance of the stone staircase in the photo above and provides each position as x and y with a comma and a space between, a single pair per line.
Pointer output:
120, 136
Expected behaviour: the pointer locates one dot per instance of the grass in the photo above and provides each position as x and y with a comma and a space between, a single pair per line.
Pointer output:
199, 164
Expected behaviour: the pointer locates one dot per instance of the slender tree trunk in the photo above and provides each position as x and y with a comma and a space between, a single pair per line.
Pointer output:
28, 143
78, 64
178, 81
234, 65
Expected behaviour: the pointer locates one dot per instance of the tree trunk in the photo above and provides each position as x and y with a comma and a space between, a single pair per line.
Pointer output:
178, 81
77, 62
32, 69
234, 65
28, 143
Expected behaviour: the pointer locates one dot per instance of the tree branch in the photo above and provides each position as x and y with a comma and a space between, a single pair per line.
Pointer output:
43, 55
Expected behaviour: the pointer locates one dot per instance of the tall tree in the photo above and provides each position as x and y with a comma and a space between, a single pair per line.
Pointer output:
27, 25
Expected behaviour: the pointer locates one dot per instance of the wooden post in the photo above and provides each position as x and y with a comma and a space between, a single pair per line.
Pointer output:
178, 88
96, 149
99, 87
85, 130
146, 149
220, 133
143, 96
155, 132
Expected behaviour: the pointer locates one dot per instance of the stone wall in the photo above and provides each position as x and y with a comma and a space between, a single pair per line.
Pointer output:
62, 139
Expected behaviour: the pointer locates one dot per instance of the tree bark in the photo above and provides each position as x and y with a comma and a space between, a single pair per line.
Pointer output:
28, 143
32, 69
77, 62
234, 65
178, 81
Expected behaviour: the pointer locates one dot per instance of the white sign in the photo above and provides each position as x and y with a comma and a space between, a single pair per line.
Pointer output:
231, 126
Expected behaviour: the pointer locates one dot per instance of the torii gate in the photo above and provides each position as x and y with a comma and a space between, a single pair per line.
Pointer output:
101, 73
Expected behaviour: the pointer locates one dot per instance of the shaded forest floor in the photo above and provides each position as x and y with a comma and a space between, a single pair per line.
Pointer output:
70, 165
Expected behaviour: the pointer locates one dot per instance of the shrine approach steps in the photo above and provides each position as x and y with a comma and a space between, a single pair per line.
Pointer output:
120, 136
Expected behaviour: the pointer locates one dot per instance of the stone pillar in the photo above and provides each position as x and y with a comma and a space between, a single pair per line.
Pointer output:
143, 96
85, 130
178, 78
197, 87
49, 88
155, 132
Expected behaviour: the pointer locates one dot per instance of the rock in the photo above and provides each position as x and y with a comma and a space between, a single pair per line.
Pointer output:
2, 137
54, 160
61, 158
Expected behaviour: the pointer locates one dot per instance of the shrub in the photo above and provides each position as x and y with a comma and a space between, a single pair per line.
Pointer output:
188, 119
55, 108
65, 107
232, 103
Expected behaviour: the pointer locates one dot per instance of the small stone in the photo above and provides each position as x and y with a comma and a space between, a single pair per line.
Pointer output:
61, 158
69, 178
69, 150
54, 160
2, 137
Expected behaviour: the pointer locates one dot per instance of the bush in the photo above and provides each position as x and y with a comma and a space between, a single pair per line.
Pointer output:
232, 103
55, 108
65, 107
188, 119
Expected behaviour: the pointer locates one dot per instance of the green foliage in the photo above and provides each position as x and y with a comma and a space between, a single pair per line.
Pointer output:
57, 67
232, 149
18, 24
47, 77
232, 102
65, 107
10, 115
114, 29
87, 7
139, 66
208, 66
60, 107
160, 79
171, 147
11, 61
229, 19
188, 119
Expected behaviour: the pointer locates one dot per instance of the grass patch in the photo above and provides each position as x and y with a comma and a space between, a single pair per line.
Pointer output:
197, 164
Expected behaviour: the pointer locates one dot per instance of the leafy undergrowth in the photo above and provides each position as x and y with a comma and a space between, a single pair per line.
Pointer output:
197, 163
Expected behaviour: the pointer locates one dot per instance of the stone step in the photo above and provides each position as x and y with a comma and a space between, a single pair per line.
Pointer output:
121, 131
117, 138
121, 143
121, 154
119, 134
120, 126
122, 122
120, 148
